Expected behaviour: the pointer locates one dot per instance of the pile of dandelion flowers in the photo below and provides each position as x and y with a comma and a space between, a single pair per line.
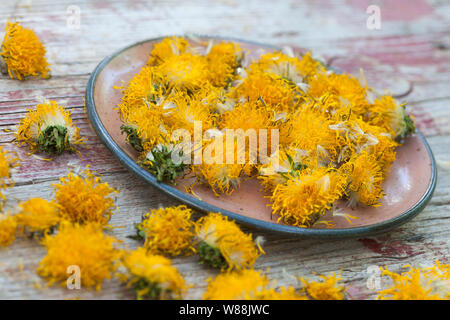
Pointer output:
237, 249
23, 53
152, 276
168, 231
85, 246
84, 198
49, 128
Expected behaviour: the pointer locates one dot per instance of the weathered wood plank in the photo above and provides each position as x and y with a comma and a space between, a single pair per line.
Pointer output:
411, 49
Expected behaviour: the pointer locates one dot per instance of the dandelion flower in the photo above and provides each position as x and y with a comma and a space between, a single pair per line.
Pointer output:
246, 284
23, 53
37, 215
431, 283
85, 246
49, 128
276, 93
168, 231
186, 71
223, 244
364, 180
222, 178
83, 198
152, 276
301, 201
327, 288
8, 228
166, 48
387, 114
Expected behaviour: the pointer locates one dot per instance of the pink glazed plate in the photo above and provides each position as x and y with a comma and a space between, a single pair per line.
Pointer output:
408, 187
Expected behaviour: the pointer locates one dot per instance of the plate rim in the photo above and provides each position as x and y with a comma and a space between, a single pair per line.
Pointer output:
204, 207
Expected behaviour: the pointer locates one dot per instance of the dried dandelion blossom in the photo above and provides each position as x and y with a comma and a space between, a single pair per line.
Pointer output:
37, 215
224, 245
49, 128
151, 276
222, 178
8, 228
83, 198
166, 48
386, 113
364, 180
327, 288
85, 246
23, 53
301, 201
431, 283
246, 284
187, 71
168, 231
223, 59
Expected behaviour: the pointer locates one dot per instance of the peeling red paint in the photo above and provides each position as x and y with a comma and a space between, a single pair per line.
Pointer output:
386, 247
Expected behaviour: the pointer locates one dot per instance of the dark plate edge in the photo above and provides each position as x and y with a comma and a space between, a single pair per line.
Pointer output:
205, 207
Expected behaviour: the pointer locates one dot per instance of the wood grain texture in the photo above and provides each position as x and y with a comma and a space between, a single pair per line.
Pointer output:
409, 54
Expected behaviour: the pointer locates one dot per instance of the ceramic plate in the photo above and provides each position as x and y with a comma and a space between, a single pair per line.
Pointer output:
408, 187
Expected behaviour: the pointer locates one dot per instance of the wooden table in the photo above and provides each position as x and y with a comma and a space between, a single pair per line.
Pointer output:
408, 55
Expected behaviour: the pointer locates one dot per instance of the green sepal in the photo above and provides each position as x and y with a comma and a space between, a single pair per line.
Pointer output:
54, 140
132, 137
211, 256
162, 165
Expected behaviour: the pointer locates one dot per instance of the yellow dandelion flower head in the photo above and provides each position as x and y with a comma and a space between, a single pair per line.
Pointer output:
223, 59
222, 178
257, 116
145, 271
23, 53
309, 67
345, 90
327, 288
281, 65
166, 48
186, 110
274, 91
145, 128
186, 71
84, 198
168, 230
302, 200
236, 247
83, 246
310, 131
386, 113
49, 128
7, 163
8, 228
144, 88
431, 283
37, 215
246, 284
364, 180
